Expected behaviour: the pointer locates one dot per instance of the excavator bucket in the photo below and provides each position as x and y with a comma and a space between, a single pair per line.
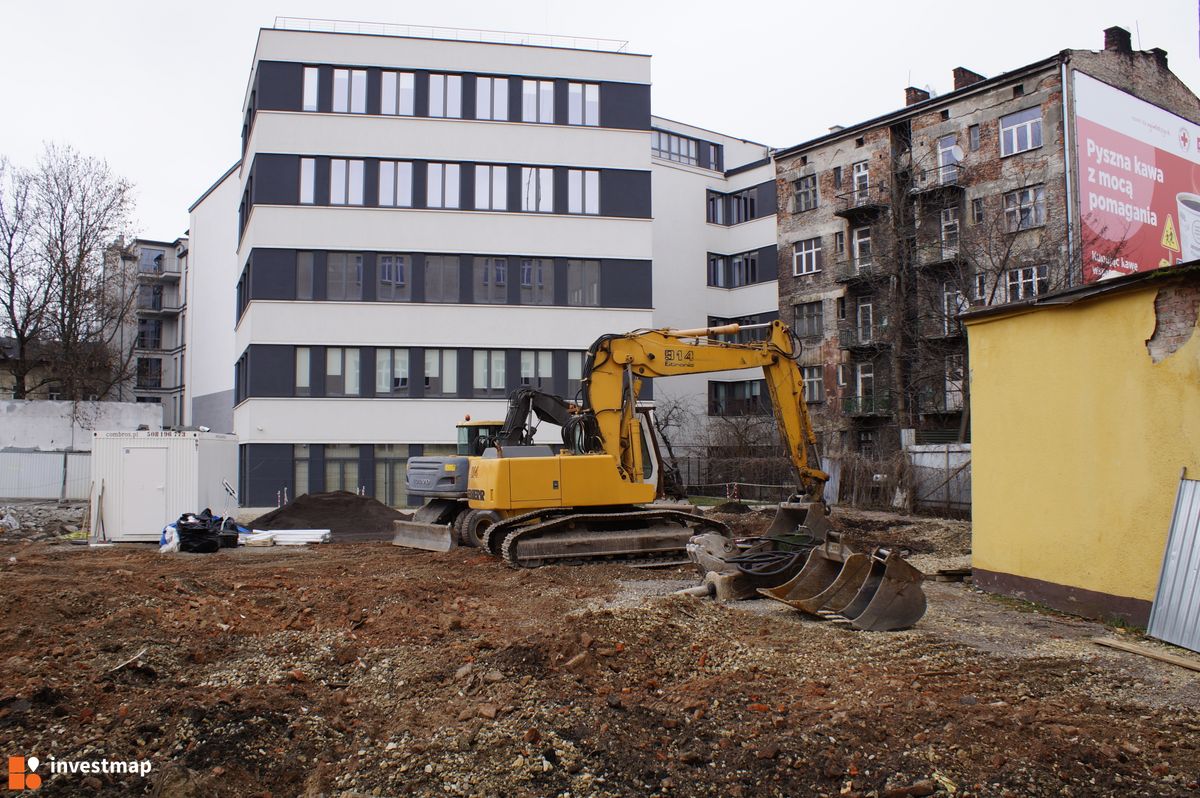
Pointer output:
804, 518
430, 528
872, 593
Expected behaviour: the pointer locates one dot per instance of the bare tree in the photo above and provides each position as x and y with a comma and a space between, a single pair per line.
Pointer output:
67, 300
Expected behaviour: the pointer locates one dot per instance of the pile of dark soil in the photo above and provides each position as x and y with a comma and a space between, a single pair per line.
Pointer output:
731, 508
347, 515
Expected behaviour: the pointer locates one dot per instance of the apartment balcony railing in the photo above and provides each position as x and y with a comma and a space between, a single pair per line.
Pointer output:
146, 342
157, 306
854, 269
856, 336
936, 253
863, 202
738, 407
878, 403
148, 382
948, 402
945, 180
155, 273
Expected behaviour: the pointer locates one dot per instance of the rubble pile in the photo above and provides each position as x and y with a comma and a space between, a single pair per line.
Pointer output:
40, 520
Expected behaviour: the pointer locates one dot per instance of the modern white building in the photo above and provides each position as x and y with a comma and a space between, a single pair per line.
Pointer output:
424, 224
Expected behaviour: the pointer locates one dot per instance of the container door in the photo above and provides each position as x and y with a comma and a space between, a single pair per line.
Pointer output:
144, 503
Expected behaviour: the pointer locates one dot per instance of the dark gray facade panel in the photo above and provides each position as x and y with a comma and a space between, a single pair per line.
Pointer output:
626, 283
768, 264
560, 189
324, 89
512, 370
370, 286
276, 179
280, 86
767, 199
466, 374
418, 277
468, 96
420, 183
421, 93
316, 468
514, 99
366, 371
416, 372
560, 281
271, 370
625, 105
558, 363
561, 100
514, 188
625, 192
371, 182
321, 189
366, 468
272, 274
266, 470
320, 275
374, 89
466, 186
316, 371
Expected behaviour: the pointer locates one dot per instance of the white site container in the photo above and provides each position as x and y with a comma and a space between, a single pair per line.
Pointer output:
142, 481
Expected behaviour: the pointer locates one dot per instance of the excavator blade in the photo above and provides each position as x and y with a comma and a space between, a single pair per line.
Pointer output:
430, 528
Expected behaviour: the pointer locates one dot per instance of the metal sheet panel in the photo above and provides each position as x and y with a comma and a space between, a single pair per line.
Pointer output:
39, 475
1175, 616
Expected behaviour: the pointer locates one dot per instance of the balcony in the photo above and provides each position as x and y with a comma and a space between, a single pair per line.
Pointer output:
156, 274
878, 403
939, 253
855, 269
862, 204
157, 306
940, 183
864, 336
930, 403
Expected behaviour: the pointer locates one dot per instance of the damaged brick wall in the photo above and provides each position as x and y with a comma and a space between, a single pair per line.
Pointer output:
1176, 309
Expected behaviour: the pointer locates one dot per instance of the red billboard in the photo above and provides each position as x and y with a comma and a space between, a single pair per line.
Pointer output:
1139, 182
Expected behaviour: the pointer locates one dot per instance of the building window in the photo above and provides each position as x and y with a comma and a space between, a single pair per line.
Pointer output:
397, 94
715, 208
1025, 208
491, 98
1026, 282
343, 276
744, 398
583, 283
537, 101
304, 275
574, 373
149, 334
953, 303
308, 180
149, 372
441, 372
843, 372
491, 188
395, 184
1021, 131
837, 177
491, 281
441, 279
977, 210
341, 467
489, 372
391, 460
310, 88
973, 137
947, 155
537, 189
718, 276
445, 96
300, 458
743, 269
394, 285
583, 191
840, 307
864, 320
743, 206
674, 148
441, 190
537, 281
955, 373
714, 156
862, 181
537, 369
949, 232
341, 372
391, 372
839, 243
350, 91
806, 193
583, 104
806, 258
810, 319
303, 371
865, 375
814, 383
860, 241
345, 182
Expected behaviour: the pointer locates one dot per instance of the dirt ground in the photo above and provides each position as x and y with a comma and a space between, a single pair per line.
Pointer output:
365, 669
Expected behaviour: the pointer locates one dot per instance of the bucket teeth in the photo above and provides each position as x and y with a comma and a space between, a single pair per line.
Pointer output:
877, 592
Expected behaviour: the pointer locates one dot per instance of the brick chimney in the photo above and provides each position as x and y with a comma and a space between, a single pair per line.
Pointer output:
1117, 40
913, 95
1160, 57
964, 77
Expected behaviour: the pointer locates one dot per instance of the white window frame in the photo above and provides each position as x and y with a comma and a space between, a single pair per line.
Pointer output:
864, 320
349, 91
864, 380
806, 257
395, 184
537, 101
445, 96
398, 93
491, 187
947, 159
442, 185
1025, 208
441, 372
743, 269
583, 104
949, 233
303, 371
312, 79
807, 195
488, 363
1026, 282
537, 189
860, 239
343, 363
346, 181
583, 191
814, 383
308, 181
392, 372
861, 172
537, 368
953, 303
491, 98
810, 325
955, 382
574, 373
1021, 131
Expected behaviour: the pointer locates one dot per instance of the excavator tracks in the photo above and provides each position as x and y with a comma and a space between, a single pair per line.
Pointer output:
644, 537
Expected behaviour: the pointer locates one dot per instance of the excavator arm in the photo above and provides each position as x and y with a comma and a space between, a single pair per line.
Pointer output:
616, 365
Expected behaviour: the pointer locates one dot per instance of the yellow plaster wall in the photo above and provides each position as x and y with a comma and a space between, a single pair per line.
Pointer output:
1078, 439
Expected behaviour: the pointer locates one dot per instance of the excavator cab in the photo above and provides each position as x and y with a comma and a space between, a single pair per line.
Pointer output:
475, 436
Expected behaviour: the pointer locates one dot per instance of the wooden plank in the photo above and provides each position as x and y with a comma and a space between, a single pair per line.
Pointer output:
1146, 651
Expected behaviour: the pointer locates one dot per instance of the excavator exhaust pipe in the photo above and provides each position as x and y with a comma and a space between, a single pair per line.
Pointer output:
879, 592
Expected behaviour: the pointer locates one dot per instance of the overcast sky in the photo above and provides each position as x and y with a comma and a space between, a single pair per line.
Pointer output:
156, 87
